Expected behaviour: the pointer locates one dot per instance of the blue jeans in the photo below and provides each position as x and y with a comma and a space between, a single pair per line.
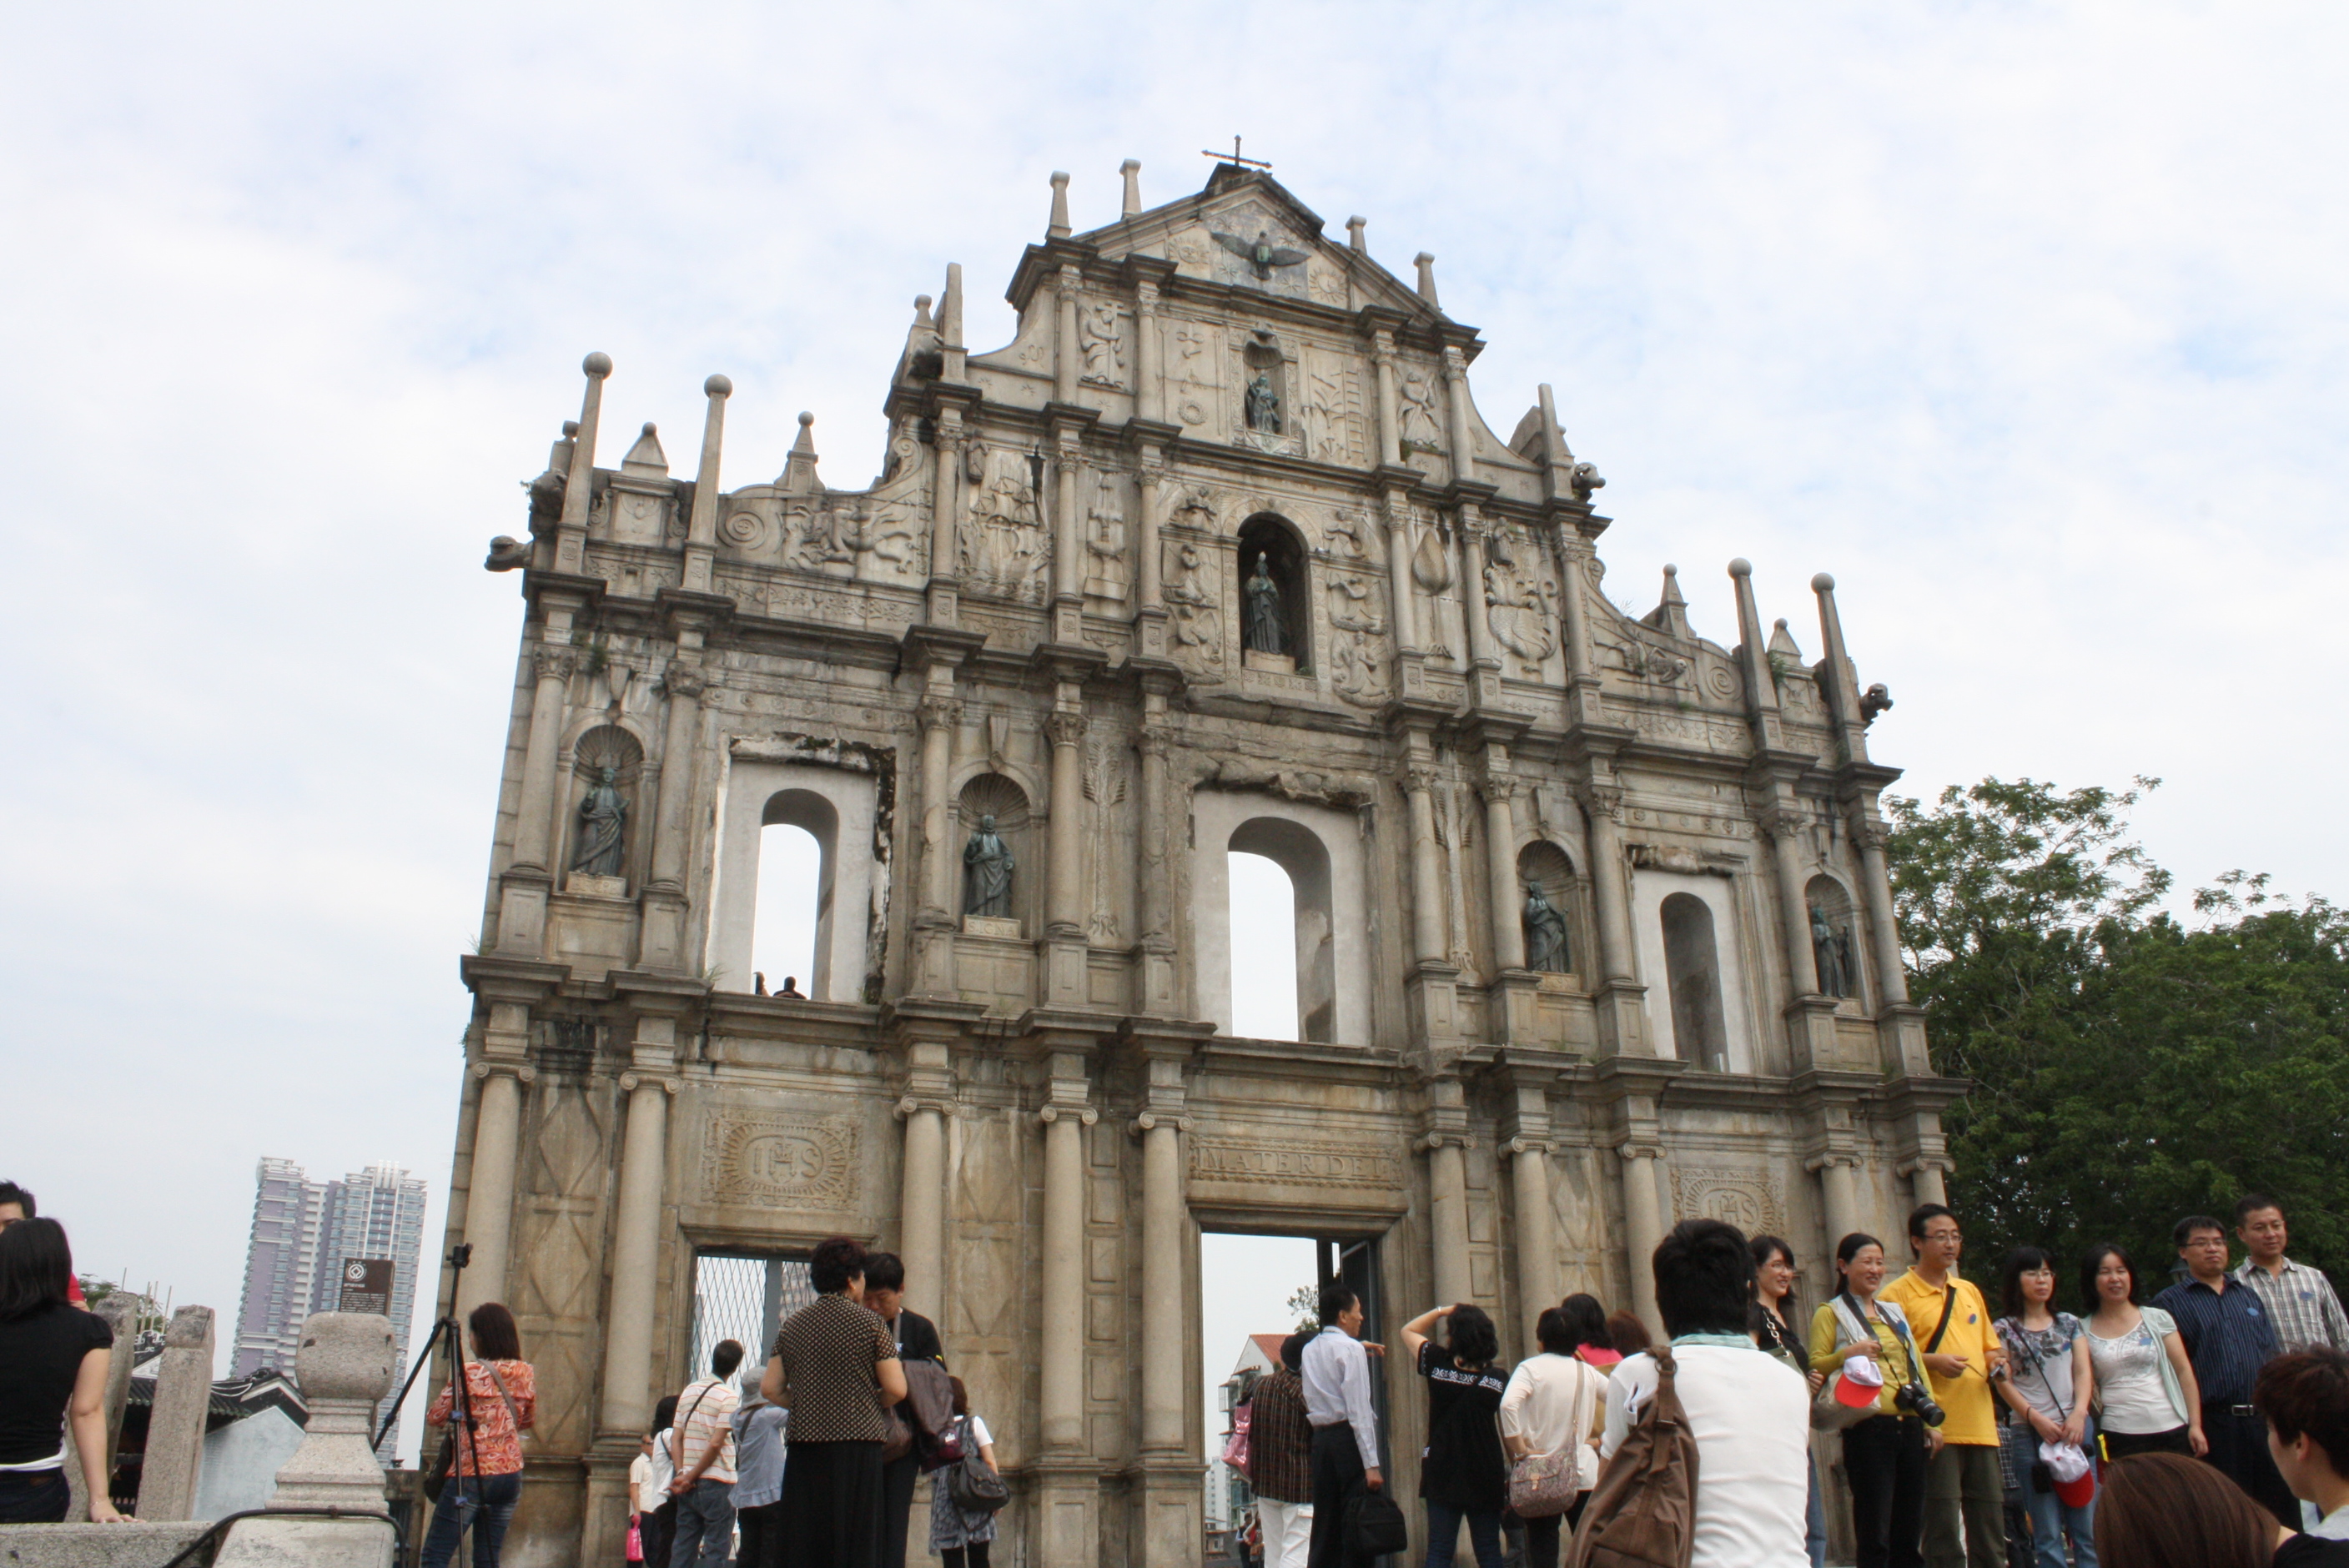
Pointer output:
1443, 1535
485, 1504
705, 1525
1815, 1528
2050, 1522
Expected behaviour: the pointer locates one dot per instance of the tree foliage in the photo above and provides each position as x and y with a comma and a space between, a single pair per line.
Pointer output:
2126, 1068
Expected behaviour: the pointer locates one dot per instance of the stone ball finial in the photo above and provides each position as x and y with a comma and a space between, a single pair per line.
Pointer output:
718, 387
1823, 584
650, 429
1672, 571
1741, 567
806, 419
570, 428
1059, 179
598, 365
921, 302
346, 1356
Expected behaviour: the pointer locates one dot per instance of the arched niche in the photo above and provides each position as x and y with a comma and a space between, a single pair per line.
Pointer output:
1828, 901
597, 749
1273, 540
1544, 867
836, 806
995, 795
1320, 850
1732, 1050
1693, 982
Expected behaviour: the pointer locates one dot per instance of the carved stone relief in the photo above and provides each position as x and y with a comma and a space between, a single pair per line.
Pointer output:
1106, 573
1194, 590
1753, 1201
1006, 550
1098, 341
1333, 1171
1358, 651
1521, 599
807, 1163
1104, 784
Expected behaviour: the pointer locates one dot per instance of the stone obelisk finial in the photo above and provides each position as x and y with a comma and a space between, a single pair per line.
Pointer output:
1426, 263
1058, 228
701, 529
1131, 170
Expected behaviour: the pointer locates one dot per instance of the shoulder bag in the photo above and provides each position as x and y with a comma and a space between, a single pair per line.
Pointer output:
1543, 1486
1642, 1514
444, 1456
1374, 1524
974, 1485
1830, 1414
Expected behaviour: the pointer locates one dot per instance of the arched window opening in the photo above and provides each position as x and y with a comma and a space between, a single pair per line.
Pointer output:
1264, 949
1834, 942
1545, 900
1308, 932
1275, 624
1692, 975
791, 926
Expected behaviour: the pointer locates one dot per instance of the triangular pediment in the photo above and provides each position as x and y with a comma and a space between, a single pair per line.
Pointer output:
1204, 235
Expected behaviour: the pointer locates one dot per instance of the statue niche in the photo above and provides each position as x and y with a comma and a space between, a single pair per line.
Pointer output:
993, 814
1548, 878
1266, 413
1275, 624
1831, 946
606, 762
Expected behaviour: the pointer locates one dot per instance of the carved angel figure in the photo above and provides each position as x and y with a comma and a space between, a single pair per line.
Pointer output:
1261, 254
1419, 426
1097, 337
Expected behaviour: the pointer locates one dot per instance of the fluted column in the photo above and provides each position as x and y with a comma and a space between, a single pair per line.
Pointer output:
1062, 1375
1537, 1227
1784, 823
1065, 909
1643, 1226
685, 680
1390, 428
490, 1180
1162, 1315
635, 1251
1501, 865
1427, 936
1601, 806
1876, 882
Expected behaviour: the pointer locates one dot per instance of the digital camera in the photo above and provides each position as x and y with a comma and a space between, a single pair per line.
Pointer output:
1918, 1400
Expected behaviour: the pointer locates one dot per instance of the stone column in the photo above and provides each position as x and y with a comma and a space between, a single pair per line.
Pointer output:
347, 1364
1784, 823
1643, 1226
1537, 1227
1390, 427
1610, 888
1838, 1197
1148, 592
1472, 590
945, 519
174, 1467
490, 1184
940, 715
1162, 1314
1925, 1182
922, 1223
1447, 1217
1065, 902
1148, 391
1064, 344
1463, 447
529, 877
1406, 610
637, 1232
701, 530
1427, 880
684, 681
1062, 1371
1875, 884
1501, 861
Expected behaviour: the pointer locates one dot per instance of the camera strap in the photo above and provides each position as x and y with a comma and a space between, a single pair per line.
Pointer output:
1949, 1305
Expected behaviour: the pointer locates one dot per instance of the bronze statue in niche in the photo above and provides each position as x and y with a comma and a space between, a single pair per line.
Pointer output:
987, 872
602, 827
1546, 950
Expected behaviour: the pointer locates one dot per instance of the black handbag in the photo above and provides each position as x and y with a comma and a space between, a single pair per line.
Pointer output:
1374, 1524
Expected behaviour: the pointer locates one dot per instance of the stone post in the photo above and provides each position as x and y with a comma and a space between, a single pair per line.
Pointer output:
1426, 882
173, 1466
1784, 823
1148, 393
1876, 885
701, 530
1065, 904
1838, 1198
579, 487
1162, 1317
1536, 1229
1064, 342
1601, 806
1061, 1392
345, 1363
490, 1185
665, 946
637, 1230
1390, 428
1643, 1226
1501, 861
1464, 449
121, 1311
1447, 1215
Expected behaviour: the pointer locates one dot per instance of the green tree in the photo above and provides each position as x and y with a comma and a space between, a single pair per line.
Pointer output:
2127, 1067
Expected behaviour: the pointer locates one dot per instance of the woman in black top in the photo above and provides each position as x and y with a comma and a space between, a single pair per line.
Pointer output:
53, 1361
1462, 1473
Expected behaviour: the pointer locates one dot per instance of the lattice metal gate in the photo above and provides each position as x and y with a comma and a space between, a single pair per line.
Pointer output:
744, 1297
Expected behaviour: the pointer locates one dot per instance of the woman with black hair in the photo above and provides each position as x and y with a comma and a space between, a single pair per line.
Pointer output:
485, 1476
2147, 1399
835, 1368
1883, 1456
1775, 1332
1461, 1475
1556, 1402
53, 1363
2049, 1384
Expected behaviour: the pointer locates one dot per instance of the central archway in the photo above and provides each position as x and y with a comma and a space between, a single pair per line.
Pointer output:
1320, 850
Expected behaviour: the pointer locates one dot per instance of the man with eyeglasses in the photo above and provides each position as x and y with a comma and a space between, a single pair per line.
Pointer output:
1965, 1497
2229, 1337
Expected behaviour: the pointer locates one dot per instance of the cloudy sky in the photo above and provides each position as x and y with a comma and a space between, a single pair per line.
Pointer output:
2027, 321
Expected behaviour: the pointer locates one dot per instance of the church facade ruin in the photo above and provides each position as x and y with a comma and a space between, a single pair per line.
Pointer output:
1217, 555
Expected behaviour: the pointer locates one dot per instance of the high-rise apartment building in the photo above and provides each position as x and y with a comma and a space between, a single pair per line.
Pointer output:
303, 1232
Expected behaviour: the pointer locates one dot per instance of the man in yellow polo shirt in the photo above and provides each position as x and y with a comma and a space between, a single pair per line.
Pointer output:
1965, 1517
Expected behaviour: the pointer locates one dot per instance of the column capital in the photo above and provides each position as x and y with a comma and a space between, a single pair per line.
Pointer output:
521, 1072
1600, 801
1521, 1144
1149, 1121
1065, 728
1637, 1149
1445, 1137
940, 712
1832, 1157
1869, 832
1083, 1114
553, 662
911, 1105
685, 678
1782, 819
1416, 777
631, 1081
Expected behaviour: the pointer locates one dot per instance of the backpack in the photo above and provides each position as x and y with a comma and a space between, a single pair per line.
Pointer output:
1642, 1514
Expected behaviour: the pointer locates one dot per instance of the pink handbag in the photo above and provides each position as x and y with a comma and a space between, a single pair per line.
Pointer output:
1235, 1446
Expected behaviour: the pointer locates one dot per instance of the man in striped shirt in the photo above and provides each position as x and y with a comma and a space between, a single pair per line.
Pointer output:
2302, 1307
703, 1453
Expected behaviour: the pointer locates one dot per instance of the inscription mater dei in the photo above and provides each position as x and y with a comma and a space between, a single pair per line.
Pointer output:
1298, 1162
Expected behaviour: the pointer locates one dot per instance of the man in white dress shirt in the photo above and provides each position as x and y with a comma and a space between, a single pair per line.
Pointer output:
1337, 1377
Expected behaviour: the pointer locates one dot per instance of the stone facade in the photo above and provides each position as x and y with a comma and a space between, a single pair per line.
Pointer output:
1040, 612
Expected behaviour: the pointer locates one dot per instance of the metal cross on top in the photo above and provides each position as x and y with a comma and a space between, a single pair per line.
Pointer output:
1234, 157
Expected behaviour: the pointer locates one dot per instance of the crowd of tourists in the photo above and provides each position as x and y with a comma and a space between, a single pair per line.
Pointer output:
2206, 1427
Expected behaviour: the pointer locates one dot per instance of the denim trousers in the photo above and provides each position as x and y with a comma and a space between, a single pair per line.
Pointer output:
484, 1504
705, 1525
1443, 1535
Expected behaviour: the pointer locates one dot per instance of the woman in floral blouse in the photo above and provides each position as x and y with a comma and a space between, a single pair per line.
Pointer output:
485, 1479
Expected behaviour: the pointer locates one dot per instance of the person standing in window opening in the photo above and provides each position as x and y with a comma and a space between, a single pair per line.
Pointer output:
701, 1447
656, 1521
961, 1537
2146, 1398
1775, 1332
791, 991
485, 1480
1965, 1497
1749, 1414
1281, 1461
1336, 1370
54, 1358
1884, 1455
2301, 1305
918, 1340
758, 1428
835, 1367
2229, 1338
1553, 1401
2303, 1396
1462, 1473
2051, 1384
2164, 1511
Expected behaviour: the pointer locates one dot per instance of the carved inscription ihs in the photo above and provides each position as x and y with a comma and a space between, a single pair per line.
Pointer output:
1750, 1200
785, 1162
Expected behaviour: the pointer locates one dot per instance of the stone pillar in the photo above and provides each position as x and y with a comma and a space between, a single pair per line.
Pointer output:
1610, 888
1390, 427
940, 715
666, 944
1784, 823
1064, 341
1925, 1182
1427, 880
701, 530
1463, 447
1149, 394
529, 878
1643, 1226
1062, 1375
1163, 1354
1406, 610
1149, 592
1157, 994
489, 1183
946, 520
579, 486
1472, 590
1501, 861
922, 1222
174, 1467
636, 1230
1065, 909
1876, 885
1838, 1199
1536, 1229
1447, 1214
345, 1363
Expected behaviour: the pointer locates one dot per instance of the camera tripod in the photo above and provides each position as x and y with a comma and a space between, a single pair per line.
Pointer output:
460, 1393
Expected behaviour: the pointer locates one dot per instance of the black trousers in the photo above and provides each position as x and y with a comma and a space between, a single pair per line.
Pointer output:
897, 1478
2121, 1445
1884, 1460
1337, 1472
762, 1535
2238, 1447
658, 1530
